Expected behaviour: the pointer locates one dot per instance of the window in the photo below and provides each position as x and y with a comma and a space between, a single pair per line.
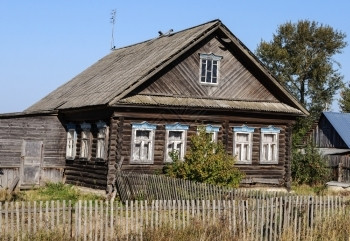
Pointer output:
102, 136
243, 143
213, 132
176, 140
71, 142
85, 140
142, 144
209, 69
269, 145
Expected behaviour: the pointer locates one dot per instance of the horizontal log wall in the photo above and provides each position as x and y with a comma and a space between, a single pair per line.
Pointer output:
86, 174
255, 173
89, 172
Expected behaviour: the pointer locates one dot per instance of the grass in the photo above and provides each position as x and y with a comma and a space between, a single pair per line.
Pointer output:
51, 191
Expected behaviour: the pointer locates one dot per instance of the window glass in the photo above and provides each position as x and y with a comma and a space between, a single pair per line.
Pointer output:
209, 68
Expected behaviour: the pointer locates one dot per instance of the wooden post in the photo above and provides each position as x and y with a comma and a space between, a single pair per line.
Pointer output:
340, 171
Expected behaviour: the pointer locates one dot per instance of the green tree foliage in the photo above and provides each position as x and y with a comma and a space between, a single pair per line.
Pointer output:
205, 161
344, 102
309, 167
301, 57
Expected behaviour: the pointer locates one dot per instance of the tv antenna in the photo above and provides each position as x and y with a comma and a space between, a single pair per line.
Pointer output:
112, 21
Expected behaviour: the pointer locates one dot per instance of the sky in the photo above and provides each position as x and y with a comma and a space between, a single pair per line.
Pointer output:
45, 43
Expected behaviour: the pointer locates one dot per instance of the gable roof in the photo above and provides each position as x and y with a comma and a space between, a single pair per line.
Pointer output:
116, 75
341, 124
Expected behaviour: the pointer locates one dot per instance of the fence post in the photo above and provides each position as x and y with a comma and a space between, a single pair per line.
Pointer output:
340, 171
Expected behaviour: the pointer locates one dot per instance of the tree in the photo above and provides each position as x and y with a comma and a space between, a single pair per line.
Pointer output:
205, 161
309, 167
344, 102
301, 57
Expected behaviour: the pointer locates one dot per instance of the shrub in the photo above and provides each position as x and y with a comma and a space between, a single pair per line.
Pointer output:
205, 161
309, 167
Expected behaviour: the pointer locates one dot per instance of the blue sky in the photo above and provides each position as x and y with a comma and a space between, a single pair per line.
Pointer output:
44, 44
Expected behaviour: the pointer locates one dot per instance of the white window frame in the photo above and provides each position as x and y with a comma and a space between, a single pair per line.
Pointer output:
144, 126
271, 147
245, 130
102, 140
209, 60
177, 127
85, 141
71, 147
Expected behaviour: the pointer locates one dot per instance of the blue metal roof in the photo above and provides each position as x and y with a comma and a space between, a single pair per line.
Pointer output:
341, 123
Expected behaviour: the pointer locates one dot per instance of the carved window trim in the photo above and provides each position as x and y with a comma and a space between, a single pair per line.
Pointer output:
243, 149
173, 143
71, 142
142, 141
85, 141
102, 140
212, 130
269, 147
209, 73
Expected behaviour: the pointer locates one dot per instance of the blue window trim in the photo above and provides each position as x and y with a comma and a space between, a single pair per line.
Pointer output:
210, 128
243, 128
176, 126
270, 129
71, 126
85, 126
101, 124
144, 126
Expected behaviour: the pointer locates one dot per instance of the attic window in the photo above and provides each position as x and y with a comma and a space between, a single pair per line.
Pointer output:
209, 69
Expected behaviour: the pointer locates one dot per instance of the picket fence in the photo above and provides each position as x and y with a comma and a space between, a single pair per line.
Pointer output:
249, 219
136, 186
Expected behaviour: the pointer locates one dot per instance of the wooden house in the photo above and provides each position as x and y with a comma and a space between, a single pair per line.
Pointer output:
138, 103
331, 136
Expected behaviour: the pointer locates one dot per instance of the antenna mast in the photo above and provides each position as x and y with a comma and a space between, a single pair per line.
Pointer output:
112, 21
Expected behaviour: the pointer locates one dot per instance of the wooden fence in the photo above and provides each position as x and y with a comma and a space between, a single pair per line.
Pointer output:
250, 219
340, 168
136, 186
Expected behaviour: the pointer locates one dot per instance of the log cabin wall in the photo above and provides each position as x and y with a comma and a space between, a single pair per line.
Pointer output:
89, 172
256, 173
15, 132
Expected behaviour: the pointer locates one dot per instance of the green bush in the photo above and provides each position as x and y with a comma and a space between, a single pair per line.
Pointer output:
309, 167
205, 161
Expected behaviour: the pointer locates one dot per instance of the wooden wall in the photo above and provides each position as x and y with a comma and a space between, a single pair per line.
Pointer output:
325, 136
16, 129
89, 172
236, 80
276, 174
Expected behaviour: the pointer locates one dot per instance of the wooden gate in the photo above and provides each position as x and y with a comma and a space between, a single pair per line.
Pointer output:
31, 163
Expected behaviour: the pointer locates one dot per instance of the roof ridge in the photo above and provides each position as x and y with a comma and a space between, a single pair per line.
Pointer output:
183, 30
